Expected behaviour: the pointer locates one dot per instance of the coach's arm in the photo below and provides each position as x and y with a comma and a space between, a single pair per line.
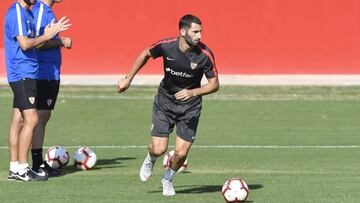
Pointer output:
55, 43
26, 43
50, 31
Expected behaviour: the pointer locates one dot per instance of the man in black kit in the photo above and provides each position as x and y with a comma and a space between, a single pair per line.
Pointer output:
178, 101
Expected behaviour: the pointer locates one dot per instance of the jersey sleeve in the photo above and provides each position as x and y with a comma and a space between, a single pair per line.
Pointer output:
21, 25
210, 70
156, 50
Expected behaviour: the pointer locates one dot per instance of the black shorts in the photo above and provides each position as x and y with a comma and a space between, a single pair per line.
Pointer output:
167, 114
25, 94
47, 92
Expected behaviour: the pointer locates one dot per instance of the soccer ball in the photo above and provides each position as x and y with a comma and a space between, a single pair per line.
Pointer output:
167, 158
84, 158
57, 157
235, 190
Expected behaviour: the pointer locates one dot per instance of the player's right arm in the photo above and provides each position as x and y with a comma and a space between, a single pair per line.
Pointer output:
28, 43
140, 61
50, 31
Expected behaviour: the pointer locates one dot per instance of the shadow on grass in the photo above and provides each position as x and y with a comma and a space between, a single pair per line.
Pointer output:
208, 188
112, 163
100, 164
199, 189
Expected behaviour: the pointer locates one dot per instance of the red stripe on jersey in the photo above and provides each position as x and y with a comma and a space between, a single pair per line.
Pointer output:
164, 41
207, 53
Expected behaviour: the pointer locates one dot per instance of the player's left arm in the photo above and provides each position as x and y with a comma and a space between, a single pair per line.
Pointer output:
211, 87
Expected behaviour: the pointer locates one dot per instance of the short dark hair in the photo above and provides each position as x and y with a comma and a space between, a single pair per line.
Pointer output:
186, 20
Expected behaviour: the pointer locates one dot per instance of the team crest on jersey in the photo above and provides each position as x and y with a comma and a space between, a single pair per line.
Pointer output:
193, 65
32, 100
49, 101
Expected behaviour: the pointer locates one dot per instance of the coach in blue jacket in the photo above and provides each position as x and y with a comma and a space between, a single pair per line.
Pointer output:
48, 79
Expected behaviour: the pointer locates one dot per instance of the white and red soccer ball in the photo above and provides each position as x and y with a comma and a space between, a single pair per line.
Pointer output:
57, 157
235, 190
84, 158
167, 158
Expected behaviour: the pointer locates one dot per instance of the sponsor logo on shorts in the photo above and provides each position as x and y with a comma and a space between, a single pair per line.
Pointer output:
49, 102
32, 100
152, 127
180, 74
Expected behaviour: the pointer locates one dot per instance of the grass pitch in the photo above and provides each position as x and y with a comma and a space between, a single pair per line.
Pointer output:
290, 144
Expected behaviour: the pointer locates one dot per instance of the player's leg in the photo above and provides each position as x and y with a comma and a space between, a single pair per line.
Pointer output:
182, 148
30, 121
25, 100
186, 127
162, 126
38, 139
158, 145
156, 148
46, 94
13, 142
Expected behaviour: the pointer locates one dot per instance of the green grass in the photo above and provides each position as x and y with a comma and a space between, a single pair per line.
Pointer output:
236, 115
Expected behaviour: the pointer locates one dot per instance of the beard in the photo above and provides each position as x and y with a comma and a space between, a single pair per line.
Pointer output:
29, 2
191, 42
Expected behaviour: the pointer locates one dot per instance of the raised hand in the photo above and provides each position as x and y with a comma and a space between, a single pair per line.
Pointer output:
63, 21
54, 28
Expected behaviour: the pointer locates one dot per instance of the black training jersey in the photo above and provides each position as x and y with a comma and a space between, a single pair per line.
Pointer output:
183, 70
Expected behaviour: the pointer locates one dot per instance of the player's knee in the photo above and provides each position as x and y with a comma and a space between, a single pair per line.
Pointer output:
13, 144
17, 122
32, 120
44, 118
157, 150
180, 154
44, 114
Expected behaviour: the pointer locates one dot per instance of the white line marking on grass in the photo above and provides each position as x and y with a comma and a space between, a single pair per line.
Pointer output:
106, 97
256, 171
221, 146
219, 97
122, 97
253, 97
280, 146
